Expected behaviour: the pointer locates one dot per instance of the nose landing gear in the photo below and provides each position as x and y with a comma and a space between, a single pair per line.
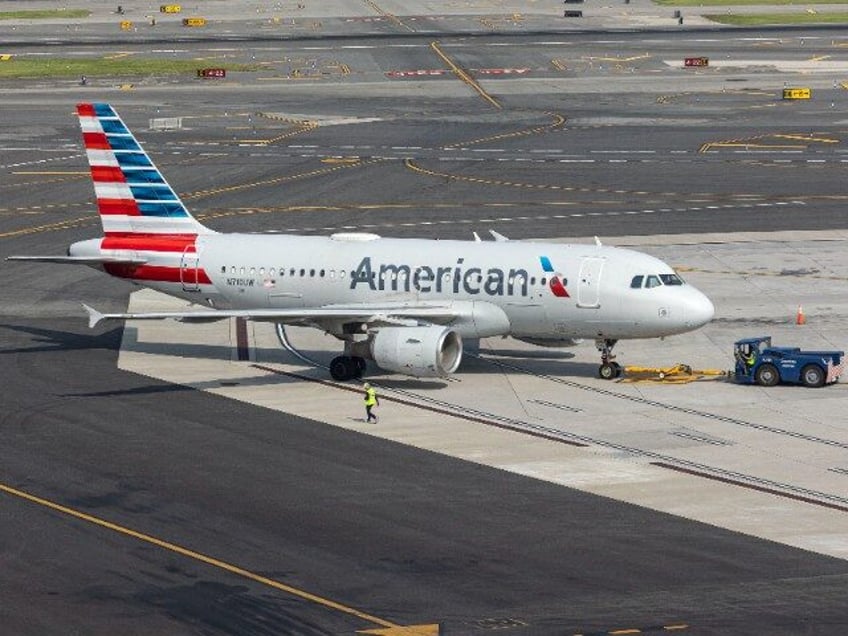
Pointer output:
609, 369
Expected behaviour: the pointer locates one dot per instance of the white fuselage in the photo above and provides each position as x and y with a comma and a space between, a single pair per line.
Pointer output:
250, 271
406, 304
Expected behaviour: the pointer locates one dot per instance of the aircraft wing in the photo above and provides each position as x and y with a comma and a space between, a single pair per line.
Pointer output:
375, 315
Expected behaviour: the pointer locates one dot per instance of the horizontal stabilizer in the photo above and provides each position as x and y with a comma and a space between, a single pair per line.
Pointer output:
94, 316
80, 260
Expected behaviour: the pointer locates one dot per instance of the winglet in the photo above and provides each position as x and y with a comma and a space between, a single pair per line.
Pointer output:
94, 316
497, 236
477, 238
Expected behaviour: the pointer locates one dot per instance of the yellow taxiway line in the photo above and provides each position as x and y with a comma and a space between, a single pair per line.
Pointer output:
821, 140
392, 17
386, 627
465, 77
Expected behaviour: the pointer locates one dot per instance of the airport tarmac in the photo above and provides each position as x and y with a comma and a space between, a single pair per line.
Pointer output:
153, 482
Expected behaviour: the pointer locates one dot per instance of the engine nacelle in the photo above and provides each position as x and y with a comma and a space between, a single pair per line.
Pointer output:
422, 352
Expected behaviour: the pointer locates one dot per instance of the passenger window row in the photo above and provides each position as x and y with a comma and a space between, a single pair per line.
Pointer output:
273, 271
322, 273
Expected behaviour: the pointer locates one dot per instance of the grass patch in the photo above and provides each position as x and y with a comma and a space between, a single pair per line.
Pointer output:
763, 19
44, 14
105, 67
723, 3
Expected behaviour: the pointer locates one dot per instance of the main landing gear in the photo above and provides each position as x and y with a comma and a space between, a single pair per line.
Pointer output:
344, 368
609, 369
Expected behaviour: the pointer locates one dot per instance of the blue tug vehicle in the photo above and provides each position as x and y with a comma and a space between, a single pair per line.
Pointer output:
758, 362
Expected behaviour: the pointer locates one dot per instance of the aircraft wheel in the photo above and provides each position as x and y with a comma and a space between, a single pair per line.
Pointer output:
360, 364
342, 368
812, 375
619, 370
767, 375
608, 371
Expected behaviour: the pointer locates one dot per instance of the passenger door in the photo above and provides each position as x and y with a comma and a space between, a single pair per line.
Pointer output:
188, 269
589, 282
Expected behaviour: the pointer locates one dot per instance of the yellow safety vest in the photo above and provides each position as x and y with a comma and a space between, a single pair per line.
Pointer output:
370, 397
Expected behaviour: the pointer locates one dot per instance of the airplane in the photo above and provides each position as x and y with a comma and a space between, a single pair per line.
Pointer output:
405, 304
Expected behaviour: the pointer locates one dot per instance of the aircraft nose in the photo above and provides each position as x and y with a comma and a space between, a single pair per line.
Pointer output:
699, 310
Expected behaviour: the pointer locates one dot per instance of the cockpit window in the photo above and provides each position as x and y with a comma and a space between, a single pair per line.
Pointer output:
671, 279
652, 281
636, 283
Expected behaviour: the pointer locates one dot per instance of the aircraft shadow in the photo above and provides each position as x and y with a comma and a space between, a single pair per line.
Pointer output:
202, 351
245, 381
555, 367
149, 389
407, 383
555, 363
51, 340
540, 354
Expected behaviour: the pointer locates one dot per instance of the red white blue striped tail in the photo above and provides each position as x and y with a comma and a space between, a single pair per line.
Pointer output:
132, 195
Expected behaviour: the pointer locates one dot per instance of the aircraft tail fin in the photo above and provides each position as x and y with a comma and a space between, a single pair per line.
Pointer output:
132, 195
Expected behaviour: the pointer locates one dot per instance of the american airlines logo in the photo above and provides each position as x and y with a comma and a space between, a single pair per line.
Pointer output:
556, 281
492, 281
458, 278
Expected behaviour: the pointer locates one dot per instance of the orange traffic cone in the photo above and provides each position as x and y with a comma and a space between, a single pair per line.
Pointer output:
800, 318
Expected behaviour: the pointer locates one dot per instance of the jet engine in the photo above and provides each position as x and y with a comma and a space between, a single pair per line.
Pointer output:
423, 352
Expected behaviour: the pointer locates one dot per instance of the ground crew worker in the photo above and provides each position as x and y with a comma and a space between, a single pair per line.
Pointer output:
750, 359
371, 401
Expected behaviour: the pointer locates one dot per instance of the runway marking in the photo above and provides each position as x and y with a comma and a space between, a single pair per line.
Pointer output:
409, 163
632, 58
389, 16
461, 221
756, 142
465, 77
303, 175
53, 172
62, 225
637, 630
38, 183
558, 122
301, 126
37, 161
391, 628
710, 146
821, 140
